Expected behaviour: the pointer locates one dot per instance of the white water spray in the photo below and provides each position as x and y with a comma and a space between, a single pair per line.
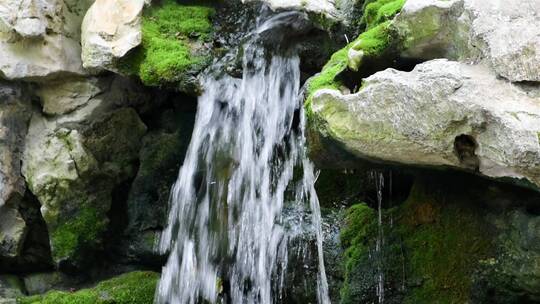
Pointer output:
225, 236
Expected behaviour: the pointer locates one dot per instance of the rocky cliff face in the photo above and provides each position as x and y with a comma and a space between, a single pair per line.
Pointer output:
98, 98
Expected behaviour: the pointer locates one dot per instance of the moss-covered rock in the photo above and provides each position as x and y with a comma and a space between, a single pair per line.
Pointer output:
161, 155
173, 47
73, 166
377, 41
431, 246
131, 288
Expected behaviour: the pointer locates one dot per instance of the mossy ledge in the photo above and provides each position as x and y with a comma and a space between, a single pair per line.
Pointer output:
172, 49
378, 41
131, 288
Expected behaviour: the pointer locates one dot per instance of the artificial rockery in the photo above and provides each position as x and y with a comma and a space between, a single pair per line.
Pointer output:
428, 109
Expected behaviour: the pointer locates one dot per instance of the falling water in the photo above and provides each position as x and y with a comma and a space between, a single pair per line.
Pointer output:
226, 234
379, 185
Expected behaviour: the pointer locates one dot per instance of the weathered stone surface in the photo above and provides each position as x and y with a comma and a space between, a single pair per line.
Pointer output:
61, 97
161, 155
40, 39
38, 283
10, 289
514, 274
506, 35
72, 163
442, 113
109, 30
12, 232
14, 117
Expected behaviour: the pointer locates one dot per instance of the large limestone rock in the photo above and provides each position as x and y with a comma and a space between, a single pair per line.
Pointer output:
110, 29
73, 162
504, 34
40, 39
443, 113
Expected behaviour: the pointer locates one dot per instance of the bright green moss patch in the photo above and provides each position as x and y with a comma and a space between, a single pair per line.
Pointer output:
82, 230
172, 43
131, 288
379, 11
374, 43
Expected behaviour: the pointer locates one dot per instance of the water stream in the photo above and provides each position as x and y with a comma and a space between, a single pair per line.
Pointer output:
226, 234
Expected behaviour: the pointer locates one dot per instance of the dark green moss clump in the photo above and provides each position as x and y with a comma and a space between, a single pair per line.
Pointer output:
79, 232
433, 245
130, 288
172, 48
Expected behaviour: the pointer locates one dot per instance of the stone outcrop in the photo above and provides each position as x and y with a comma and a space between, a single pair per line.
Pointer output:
73, 162
41, 39
443, 113
505, 35
110, 29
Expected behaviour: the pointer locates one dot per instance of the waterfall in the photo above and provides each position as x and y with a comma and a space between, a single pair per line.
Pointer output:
226, 234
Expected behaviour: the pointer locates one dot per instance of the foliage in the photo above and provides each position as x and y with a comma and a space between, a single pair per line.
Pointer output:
131, 288
172, 36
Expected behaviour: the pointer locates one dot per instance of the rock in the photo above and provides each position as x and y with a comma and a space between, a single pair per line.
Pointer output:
326, 8
110, 29
61, 97
14, 116
162, 153
41, 39
12, 232
73, 162
506, 35
39, 283
443, 113
514, 275
10, 289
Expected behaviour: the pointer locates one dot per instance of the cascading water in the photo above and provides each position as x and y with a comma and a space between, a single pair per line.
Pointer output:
226, 235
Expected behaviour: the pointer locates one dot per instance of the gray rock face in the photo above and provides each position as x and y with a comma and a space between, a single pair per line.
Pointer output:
504, 34
110, 29
40, 39
443, 113
14, 117
10, 288
12, 232
72, 162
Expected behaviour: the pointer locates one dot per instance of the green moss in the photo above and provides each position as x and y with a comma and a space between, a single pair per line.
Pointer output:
173, 35
375, 42
82, 230
131, 288
377, 12
430, 253
446, 242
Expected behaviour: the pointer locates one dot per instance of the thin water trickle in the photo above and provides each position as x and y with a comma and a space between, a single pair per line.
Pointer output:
226, 235
379, 184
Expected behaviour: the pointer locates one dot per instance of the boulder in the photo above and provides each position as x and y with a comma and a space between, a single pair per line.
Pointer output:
505, 35
12, 232
10, 289
41, 39
65, 96
110, 29
73, 162
443, 113
14, 116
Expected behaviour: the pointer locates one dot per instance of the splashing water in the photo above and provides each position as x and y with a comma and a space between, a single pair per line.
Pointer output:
225, 236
